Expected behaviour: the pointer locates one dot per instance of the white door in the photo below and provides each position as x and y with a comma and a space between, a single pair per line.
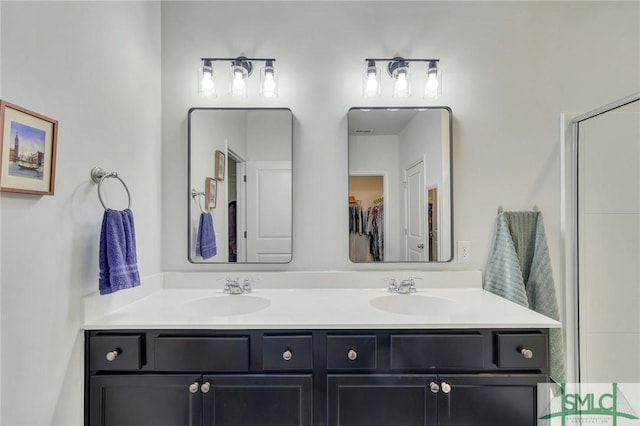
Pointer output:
415, 222
268, 211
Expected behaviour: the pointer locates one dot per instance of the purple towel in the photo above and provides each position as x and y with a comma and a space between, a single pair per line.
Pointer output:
118, 261
206, 239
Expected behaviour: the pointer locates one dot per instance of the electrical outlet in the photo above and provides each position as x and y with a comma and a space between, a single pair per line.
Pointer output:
464, 251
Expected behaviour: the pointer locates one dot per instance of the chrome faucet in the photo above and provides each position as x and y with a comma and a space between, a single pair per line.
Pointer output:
233, 286
406, 286
246, 285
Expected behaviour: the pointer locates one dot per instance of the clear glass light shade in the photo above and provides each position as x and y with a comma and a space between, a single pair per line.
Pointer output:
237, 80
269, 81
433, 83
206, 81
371, 81
402, 84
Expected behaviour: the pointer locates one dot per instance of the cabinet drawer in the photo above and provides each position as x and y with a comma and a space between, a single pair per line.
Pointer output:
437, 351
287, 353
202, 354
516, 350
351, 352
121, 353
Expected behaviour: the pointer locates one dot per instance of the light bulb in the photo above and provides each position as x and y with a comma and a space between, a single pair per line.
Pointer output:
432, 84
238, 81
371, 80
372, 83
401, 84
269, 80
207, 84
269, 85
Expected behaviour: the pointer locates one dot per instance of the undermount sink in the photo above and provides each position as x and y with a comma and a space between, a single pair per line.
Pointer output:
413, 304
220, 306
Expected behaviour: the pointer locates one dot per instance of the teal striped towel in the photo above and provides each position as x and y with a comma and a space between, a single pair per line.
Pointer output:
519, 270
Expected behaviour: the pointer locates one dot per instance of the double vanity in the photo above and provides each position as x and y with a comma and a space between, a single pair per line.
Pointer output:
317, 355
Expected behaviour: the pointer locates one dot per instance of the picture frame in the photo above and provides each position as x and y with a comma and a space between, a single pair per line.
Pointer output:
220, 164
28, 142
210, 193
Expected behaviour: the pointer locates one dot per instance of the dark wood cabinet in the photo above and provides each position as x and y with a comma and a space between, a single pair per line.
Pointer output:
425, 400
365, 400
144, 400
488, 400
314, 377
258, 400
170, 400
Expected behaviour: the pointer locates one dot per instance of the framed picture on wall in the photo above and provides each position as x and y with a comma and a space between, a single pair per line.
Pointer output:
27, 151
210, 193
220, 163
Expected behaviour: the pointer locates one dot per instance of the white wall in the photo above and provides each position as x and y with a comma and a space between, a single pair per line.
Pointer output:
95, 67
510, 69
269, 136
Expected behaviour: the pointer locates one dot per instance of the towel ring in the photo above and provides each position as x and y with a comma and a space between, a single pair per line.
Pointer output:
200, 194
98, 176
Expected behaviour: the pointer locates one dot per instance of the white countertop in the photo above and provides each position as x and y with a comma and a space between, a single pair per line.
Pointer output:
325, 308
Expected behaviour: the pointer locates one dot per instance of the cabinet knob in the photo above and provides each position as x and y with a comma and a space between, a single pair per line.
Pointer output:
193, 387
352, 355
446, 387
527, 353
206, 387
434, 387
287, 355
112, 355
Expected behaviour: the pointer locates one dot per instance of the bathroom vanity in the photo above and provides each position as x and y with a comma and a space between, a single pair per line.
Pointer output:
315, 377
316, 357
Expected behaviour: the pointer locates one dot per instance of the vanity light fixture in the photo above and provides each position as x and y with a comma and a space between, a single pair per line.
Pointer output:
240, 70
398, 69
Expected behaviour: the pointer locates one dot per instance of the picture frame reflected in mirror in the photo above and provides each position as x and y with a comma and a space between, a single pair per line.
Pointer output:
220, 164
211, 193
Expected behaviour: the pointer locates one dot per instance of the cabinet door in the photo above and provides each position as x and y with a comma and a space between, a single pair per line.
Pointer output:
381, 400
137, 400
488, 400
258, 400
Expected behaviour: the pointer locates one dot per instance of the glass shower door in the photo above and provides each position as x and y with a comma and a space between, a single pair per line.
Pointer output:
608, 244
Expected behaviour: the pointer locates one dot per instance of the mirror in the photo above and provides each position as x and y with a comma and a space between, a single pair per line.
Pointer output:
400, 184
240, 185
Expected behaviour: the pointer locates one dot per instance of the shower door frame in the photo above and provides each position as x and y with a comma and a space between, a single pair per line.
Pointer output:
569, 227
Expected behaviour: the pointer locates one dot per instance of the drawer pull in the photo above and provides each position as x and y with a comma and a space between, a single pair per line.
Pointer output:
287, 355
526, 353
112, 355
193, 387
206, 387
352, 355
434, 387
446, 387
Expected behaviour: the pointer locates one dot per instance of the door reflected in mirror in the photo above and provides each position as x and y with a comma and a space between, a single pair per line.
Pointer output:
400, 184
240, 185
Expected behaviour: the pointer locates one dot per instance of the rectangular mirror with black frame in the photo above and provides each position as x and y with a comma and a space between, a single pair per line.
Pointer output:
400, 184
239, 185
